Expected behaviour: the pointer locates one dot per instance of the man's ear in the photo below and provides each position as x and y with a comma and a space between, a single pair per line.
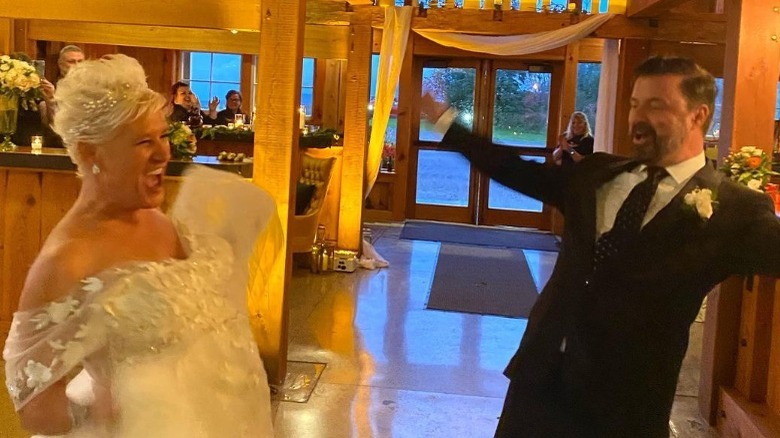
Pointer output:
701, 115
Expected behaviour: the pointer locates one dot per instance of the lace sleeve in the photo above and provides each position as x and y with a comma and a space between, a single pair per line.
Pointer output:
46, 343
219, 203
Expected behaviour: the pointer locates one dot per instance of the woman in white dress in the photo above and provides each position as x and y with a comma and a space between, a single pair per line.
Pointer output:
149, 312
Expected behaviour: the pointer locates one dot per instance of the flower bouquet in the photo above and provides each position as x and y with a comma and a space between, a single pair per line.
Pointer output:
388, 157
182, 140
749, 166
18, 81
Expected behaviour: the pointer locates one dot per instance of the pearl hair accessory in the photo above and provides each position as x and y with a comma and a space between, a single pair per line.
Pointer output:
95, 169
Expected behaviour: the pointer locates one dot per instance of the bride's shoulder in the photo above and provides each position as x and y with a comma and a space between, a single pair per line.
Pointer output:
61, 265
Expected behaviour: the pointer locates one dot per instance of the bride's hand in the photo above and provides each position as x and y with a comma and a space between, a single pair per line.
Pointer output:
430, 109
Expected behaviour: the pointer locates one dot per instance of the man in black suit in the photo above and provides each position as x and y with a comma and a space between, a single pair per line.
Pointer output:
606, 338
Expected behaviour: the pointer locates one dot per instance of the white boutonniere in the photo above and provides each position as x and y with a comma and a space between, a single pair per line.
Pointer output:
702, 201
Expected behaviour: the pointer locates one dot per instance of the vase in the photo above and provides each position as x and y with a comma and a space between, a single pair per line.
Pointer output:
9, 109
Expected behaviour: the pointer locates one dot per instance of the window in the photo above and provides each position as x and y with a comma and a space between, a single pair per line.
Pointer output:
212, 74
391, 133
588, 74
307, 84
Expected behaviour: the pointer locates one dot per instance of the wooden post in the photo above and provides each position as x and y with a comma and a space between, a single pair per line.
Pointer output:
355, 132
751, 69
568, 103
632, 53
276, 155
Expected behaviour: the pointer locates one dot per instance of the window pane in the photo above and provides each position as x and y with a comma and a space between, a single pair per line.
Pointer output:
442, 178
559, 3
453, 85
307, 78
307, 99
588, 74
201, 89
603, 6
522, 104
200, 66
587, 5
714, 131
226, 67
504, 198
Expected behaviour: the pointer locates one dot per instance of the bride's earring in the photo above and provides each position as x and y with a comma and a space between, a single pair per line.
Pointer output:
95, 169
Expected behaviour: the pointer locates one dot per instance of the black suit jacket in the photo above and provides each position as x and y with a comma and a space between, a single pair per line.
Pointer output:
627, 324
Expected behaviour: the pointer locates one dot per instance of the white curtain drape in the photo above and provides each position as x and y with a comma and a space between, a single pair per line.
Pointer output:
395, 35
604, 132
514, 45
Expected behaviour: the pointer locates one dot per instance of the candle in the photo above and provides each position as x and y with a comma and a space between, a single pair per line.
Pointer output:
302, 117
572, 6
36, 141
239, 120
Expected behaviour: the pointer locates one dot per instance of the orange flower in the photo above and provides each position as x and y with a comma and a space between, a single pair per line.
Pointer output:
754, 162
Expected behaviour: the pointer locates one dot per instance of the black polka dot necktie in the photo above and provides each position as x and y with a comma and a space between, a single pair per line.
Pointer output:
629, 218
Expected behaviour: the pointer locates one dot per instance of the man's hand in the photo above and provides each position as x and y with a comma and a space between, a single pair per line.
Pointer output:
48, 90
430, 109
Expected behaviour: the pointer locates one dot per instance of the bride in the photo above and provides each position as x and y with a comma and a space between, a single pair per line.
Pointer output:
147, 312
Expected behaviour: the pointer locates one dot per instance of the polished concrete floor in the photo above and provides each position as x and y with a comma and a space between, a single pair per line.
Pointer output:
395, 369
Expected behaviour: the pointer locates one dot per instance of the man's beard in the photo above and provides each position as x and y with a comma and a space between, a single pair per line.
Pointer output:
653, 148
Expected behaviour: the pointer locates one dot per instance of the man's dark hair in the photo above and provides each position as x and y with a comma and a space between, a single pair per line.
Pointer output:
697, 85
175, 87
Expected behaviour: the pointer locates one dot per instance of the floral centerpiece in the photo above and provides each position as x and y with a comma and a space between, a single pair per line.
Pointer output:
18, 81
388, 156
749, 166
182, 140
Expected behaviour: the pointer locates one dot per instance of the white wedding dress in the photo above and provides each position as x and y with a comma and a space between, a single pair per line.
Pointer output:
169, 341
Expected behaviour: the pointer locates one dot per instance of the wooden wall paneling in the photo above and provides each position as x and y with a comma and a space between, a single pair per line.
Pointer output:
741, 418
719, 344
22, 40
318, 98
355, 133
21, 233
59, 191
709, 56
651, 8
343, 96
755, 340
247, 82
414, 135
157, 64
276, 159
632, 53
6, 35
331, 91
6, 312
773, 375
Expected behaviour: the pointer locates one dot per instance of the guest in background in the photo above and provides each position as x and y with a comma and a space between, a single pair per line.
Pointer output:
233, 106
34, 121
575, 142
70, 56
186, 105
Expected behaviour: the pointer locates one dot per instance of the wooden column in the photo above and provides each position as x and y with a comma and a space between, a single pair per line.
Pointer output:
567, 105
632, 53
6, 35
751, 70
276, 155
355, 132
405, 131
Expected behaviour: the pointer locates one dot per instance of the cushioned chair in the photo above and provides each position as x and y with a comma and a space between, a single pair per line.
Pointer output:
303, 228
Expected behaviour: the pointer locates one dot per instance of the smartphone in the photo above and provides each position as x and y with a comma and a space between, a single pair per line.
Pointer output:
40, 67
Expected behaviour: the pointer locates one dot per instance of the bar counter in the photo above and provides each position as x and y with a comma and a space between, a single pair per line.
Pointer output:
58, 159
35, 192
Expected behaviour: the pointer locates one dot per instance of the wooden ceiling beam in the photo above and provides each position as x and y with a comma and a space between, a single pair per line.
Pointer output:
651, 8
328, 42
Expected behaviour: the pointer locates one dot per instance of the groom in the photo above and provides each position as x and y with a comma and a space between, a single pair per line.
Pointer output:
605, 340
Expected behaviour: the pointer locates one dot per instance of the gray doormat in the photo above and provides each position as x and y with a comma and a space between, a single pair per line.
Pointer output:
484, 280
299, 383
479, 235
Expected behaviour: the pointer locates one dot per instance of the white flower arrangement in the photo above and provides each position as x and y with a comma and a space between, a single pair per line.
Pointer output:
749, 166
701, 201
182, 140
19, 78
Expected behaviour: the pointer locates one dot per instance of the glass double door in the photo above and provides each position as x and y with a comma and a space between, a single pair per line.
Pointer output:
508, 103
